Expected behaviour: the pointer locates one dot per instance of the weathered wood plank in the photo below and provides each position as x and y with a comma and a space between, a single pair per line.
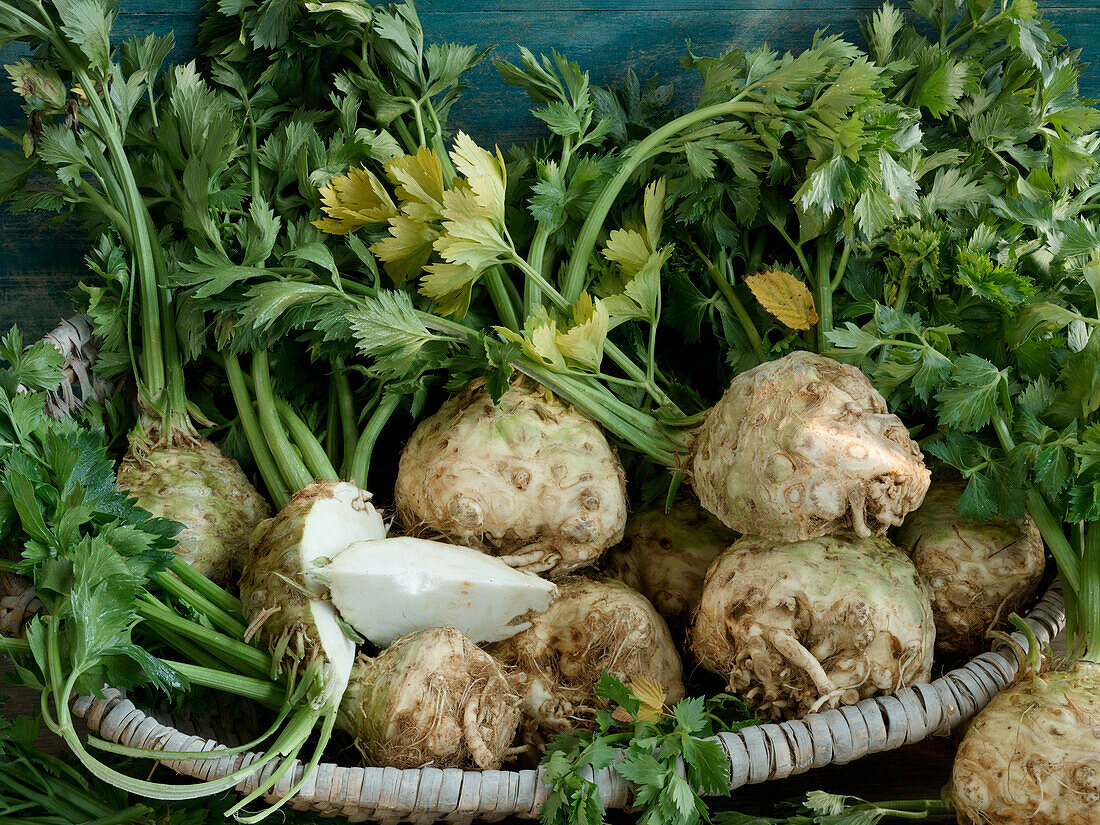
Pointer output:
39, 263
551, 6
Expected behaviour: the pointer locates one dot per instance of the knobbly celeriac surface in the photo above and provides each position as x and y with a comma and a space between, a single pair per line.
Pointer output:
810, 625
979, 573
592, 626
431, 698
665, 555
1033, 755
802, 447
528, 479
196, 484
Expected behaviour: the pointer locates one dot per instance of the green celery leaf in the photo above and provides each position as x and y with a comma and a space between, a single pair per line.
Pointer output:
971, 399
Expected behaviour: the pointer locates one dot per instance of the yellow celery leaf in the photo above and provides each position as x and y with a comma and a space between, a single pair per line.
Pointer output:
443, 278
583, 343
407, 250
450, 286
469, 236
639, 297
652, 696
628, 248
538, 340
353, 201
484, 172
419, 184
654, 209
785, 297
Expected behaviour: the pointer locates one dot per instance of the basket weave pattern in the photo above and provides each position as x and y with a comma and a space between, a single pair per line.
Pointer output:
389, 795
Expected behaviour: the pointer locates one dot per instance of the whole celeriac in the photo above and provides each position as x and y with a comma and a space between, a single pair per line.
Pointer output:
191, 481
798, 627
592, 626
529, 480
1033, 754
431, 698
665, 555
802, 447
978, 573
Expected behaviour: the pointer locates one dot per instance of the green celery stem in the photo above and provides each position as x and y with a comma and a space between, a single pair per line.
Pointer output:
332, 431
532, 292
263, 691
577, 268
348, 419
725, 286
261, 454
313, 454
176, 407
502, 300
206, 588
1050, 527
153, 336
230, 650
197, 654
1088, 610
15, 647
57, 803
218, 617
743, 317
360, 462
823, 286
289, 462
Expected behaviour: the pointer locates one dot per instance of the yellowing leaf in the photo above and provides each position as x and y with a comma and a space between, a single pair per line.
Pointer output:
621, 714
485, 174
539, 339
408, 249
639, 297
419, 184
353, 201
450, 286
583, 342
470, 236
628, 248
652, 696
654, 209
785, 297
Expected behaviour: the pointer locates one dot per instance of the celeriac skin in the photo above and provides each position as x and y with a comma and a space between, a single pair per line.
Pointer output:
1033, 754
979, 573
802, 447
196, 484
432, 698
665, 555
529, 480
592, 626
800, 627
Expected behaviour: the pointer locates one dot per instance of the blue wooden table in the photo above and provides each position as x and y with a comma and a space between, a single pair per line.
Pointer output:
40, 261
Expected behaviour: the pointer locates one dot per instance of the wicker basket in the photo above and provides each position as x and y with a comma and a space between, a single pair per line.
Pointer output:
757, 754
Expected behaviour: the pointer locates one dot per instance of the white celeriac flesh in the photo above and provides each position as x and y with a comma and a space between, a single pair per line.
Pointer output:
386, 588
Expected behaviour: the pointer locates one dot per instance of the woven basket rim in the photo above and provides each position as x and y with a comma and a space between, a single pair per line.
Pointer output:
757, 754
